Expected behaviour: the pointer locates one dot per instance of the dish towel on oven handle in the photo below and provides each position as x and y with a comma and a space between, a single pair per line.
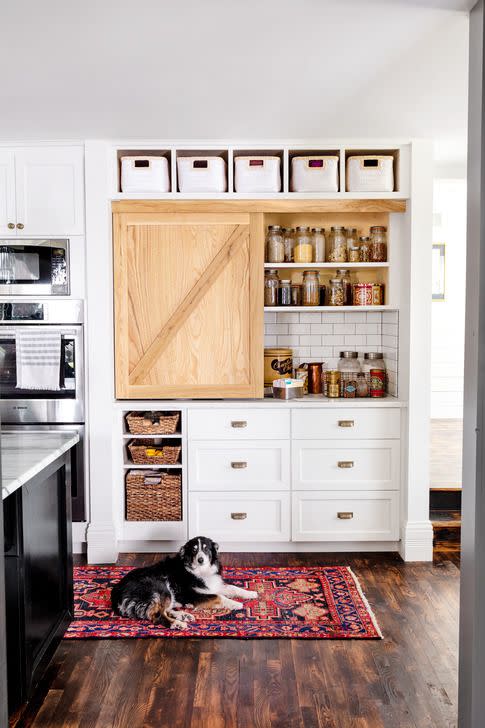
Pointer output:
38, 359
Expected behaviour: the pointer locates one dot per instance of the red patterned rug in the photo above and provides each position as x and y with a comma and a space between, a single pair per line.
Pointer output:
297, 603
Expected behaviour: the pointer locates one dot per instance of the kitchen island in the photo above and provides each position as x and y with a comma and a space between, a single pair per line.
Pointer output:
36, 483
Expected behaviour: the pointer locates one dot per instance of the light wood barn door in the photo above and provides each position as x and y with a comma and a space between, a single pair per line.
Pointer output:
188, 305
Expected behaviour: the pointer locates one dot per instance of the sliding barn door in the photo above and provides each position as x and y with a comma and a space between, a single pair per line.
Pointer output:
188, 305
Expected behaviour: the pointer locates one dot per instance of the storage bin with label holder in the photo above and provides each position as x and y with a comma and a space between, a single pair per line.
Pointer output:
202, 174
257, 174
314, 174
370, 173
144, 174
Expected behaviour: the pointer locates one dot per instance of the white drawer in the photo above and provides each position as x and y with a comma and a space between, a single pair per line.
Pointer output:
239, 424
358, 465
251, 465
240, 516
374, 516
346, 423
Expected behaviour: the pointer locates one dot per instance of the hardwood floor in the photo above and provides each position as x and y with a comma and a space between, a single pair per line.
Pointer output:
407, 680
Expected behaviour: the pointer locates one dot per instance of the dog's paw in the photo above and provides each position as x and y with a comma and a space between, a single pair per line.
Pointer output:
233, 605
252, 595
178, 624
185, 616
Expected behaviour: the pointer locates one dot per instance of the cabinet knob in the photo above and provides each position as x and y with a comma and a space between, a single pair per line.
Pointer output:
11, 226
239, 423
345, 463
239, 465
346, 423
20, 225
239, 516
345, 515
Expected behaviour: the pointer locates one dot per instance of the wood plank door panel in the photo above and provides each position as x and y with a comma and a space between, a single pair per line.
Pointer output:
188, 305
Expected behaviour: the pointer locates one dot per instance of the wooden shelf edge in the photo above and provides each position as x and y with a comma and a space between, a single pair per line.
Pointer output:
260, 205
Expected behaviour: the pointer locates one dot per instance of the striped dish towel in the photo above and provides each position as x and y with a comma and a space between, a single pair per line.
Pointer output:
38, 359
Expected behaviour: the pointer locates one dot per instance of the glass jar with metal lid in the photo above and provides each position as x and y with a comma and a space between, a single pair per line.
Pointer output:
288, 244
303, 251
364, 249
372, 360
275, 251
318, 240
285, 293
310, 293
337, 245
335, 295
378, 244
271, 285
352, 241
344, 275
349, 368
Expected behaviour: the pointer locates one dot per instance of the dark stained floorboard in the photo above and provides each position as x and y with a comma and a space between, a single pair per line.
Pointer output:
407, 680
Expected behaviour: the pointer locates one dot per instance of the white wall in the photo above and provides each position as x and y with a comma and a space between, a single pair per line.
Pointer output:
448, 317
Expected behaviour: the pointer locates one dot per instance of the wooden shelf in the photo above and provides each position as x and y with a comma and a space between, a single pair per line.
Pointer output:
127, 435
134, 466
227, 202
335, 309
321, 266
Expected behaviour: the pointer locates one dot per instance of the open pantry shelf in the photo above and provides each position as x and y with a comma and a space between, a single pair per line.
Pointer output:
335, 309
322, 266
128, 436
133, 466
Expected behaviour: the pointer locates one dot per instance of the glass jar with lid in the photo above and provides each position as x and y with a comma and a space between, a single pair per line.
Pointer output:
310, 292
364, 249
275, 252
337, 245
285, 293
352, 241
349, 368
303, 251
288, 244
378, 244
362, 386
344, 275
373, 360
271, 285
296, 294
335, 292
318, 240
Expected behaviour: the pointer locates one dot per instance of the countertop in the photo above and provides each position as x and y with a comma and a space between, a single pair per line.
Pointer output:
26, 454
309, 400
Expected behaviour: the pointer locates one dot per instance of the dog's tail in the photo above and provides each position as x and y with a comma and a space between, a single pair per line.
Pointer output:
157, 608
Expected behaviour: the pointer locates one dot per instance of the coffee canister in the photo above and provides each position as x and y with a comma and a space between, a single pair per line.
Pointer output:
362, 294
277, 363
377, 383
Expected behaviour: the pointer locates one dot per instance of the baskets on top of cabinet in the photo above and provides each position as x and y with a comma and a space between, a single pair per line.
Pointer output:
152, 423
152, 495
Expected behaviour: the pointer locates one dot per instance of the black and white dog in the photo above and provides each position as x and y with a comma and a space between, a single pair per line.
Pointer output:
191, 578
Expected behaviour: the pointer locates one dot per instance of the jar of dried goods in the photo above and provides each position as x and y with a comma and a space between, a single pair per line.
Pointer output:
354, 254
337, 245
296, 294
318, 244
362, 386
378, 244
364, 250
349, 368
335, 292
289, 244
310, 288
333, 384
344, 275
303, 252
285, 293
352, 240
271, 285
275, 252
362, 294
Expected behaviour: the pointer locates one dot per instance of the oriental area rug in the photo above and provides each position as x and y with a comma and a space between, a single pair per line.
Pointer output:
294, 603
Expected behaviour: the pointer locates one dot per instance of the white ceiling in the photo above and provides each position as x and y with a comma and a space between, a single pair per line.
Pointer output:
234, 68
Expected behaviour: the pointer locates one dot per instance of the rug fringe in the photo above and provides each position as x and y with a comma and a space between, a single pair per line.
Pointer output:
366, 602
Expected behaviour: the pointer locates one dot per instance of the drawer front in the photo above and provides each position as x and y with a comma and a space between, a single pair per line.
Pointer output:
347, 423
240, 516
358, 465
239, 424
349, 516
260, 465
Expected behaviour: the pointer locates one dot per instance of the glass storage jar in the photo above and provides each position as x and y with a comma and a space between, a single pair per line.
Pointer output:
362, 386
335, 292
337, 245
289, 244
303, 251
364, 250
352, 240
318, 245
349, 368
310, 293
378, 244
344, 275
373, 360
285, 293
275, 252
271, 285
296, 294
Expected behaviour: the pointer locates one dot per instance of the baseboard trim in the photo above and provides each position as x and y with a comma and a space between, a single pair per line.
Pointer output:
102, 543
417, 541
144, 547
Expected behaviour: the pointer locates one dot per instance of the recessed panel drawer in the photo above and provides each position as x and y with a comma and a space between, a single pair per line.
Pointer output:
346, 423
240, 516
348, 516
239, 424
358, 465
251, 465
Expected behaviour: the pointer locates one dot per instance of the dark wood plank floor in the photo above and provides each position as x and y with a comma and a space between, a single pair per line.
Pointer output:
407, 680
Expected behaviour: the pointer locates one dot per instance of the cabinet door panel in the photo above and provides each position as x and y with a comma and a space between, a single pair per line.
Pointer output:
7, 193
50, 191
188, 305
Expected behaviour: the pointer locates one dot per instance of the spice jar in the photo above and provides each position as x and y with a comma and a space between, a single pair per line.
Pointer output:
362, 386
364, 250
354, 254
344, 275
310, 295
378, 244
296, 294
285, 293
275, 252
373, 360
349, 368
337, 245
271, 285
277, 363
303, 251
377, 294
333, 384
335, 292
288, 244
318, 241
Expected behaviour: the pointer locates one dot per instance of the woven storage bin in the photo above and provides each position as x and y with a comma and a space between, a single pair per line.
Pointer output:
138, 452
152, 423
314, 174
153, 496
144, 174
370, 173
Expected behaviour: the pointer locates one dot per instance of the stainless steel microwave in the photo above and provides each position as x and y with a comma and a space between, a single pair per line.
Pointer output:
34, 268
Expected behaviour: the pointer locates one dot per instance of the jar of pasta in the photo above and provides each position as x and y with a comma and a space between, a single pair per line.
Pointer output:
344, 275
335, 292
337, 245
275, 252
364, 250
378, 244
310, 288
303, 252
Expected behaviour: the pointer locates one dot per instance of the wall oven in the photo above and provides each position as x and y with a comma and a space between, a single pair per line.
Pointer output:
34, 268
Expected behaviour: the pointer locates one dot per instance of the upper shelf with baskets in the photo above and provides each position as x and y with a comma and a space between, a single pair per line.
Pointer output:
215, 171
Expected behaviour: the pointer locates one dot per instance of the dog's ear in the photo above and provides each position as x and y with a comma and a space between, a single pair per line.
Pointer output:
216, 546
215, 549
182, 552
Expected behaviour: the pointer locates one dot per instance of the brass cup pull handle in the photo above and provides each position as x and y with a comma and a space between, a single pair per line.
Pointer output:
346, 423
239, 465
345, 463
239, 516
20, 225
11, 226
239, 424
345, 515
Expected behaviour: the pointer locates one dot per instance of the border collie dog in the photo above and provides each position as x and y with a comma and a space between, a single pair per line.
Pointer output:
191, 578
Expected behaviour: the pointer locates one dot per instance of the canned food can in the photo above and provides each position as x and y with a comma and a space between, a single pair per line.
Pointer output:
362, 294
377, 383
333, 384
377, 294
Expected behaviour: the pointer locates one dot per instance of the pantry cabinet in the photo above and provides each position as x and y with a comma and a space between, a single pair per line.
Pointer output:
188, 296
42, 191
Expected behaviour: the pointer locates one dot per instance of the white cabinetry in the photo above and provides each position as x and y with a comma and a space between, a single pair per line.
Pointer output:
42, 191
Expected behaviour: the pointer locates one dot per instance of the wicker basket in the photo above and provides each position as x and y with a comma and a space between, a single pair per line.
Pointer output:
138, 451
153, 423
153, 496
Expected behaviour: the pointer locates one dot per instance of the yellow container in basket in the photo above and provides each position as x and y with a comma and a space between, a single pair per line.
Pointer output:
277, 363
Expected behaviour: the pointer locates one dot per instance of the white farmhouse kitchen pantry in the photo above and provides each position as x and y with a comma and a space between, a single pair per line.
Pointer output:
292, 495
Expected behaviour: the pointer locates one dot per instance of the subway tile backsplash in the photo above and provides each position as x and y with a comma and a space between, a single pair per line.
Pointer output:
322, 336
